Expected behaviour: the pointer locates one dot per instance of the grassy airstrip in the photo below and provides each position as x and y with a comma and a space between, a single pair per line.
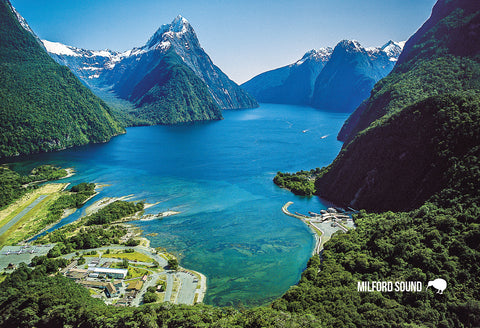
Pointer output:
34, 220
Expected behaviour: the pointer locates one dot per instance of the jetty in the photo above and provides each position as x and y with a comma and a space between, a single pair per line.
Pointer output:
331, 215
318, 233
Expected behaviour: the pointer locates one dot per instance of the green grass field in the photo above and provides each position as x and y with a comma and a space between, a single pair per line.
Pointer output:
33, 221
135, 256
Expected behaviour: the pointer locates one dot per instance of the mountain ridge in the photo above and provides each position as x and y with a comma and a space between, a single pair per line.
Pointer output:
319, 73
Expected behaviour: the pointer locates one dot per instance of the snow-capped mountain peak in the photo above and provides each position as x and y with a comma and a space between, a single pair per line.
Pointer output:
350, 45
178, 28
393, 49
122, 72
322, 54
180, 24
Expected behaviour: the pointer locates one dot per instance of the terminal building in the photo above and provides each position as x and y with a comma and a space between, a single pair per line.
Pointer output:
111, 273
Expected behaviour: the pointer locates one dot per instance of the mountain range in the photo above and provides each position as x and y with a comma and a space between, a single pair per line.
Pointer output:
336, 79
123, 73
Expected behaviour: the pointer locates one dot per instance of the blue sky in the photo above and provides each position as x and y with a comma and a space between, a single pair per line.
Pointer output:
244, 38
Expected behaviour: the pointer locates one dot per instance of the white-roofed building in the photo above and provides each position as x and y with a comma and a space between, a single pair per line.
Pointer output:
111, 273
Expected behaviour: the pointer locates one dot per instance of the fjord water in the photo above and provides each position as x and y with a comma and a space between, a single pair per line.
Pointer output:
219, 176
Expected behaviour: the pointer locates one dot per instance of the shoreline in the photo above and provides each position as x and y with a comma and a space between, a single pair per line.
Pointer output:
200, 291
133, 231
70, 173
99, 204
159, 216
318, 237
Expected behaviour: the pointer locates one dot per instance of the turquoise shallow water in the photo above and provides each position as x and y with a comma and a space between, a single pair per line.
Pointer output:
219, 175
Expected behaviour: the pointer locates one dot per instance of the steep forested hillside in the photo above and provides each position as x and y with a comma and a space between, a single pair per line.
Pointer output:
43, 106
441, 57
422, 119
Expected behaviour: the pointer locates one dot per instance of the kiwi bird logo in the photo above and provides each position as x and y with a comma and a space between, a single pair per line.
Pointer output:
439, 284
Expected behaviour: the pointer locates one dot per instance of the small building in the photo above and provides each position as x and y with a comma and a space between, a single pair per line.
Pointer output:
94, 262
76, 274
110, 290
93, 284
117, 283
111, 273
135, 285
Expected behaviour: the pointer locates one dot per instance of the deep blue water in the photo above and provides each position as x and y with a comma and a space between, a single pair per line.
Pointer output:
219, 175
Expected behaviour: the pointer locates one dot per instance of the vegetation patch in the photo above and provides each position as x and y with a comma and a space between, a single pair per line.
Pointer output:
300, 183
135, 256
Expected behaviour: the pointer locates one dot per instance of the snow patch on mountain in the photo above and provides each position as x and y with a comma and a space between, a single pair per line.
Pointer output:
59, 48
318, 55
179, 27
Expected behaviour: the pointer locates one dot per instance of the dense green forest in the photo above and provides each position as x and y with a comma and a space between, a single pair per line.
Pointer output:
45, 173
114, 212
300, 183
421, 245
397, 165
42, 104
14, 185
172, 93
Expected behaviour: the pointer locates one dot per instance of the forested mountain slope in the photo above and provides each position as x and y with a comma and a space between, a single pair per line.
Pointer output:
420, 125
43, 106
